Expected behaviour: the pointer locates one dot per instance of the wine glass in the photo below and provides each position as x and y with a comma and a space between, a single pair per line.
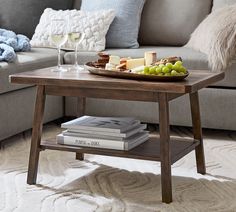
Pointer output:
58, 36
76, 37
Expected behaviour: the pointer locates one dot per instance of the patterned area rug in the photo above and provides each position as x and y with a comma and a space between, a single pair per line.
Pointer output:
116, 184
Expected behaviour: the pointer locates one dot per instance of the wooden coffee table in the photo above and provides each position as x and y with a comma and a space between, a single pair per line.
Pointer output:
165, 149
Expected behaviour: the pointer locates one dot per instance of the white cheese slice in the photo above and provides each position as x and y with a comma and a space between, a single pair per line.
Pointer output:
137, 69
133, 63
114, 60
110, 66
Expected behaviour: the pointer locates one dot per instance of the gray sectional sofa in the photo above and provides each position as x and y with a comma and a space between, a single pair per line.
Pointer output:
158, 32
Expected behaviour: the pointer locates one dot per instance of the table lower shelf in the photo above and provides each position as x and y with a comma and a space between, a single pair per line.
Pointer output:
150, 150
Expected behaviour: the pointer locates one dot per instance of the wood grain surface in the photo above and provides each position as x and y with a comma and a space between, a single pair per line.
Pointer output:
195, 81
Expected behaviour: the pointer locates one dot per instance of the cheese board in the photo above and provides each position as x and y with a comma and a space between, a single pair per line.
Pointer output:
127, 74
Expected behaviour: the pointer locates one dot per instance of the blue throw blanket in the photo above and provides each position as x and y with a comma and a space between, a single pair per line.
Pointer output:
11, 43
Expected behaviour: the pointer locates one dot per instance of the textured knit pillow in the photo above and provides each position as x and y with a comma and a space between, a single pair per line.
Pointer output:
216, 37
124, 30
94, 24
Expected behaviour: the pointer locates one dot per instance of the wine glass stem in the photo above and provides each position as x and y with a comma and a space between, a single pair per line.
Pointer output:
59, 57
76, 55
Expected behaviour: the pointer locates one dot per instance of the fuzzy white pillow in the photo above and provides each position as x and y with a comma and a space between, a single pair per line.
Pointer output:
94, 24
216, 37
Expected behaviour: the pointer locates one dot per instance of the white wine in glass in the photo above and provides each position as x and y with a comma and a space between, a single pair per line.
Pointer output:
59, 40
59, 36
76, 37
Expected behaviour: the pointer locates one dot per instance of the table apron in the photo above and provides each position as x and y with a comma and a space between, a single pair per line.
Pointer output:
145, 96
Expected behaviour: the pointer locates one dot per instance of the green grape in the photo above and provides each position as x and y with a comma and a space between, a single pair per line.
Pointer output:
152, 70
167, 74
158, 70
165, 70
179, 63
176, 67
174, 73
161, 65
183, 70
146, 70
160, 74
169, 65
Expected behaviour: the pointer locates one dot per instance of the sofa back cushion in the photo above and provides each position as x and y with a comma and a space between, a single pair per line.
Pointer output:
168, 22
217, 4
77, 4
22, 16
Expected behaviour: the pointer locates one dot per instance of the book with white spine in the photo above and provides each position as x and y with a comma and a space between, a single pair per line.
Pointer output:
102, 124
134, 141
103, 134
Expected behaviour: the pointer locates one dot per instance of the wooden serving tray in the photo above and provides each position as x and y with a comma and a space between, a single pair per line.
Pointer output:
128, 75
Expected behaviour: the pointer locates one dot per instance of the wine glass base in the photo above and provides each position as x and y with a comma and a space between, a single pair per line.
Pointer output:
77, 68
59, 69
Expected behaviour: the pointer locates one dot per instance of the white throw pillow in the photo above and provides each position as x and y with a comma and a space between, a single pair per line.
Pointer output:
216, 37
94, 24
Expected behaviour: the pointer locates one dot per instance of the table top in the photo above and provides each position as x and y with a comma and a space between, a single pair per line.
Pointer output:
196, 80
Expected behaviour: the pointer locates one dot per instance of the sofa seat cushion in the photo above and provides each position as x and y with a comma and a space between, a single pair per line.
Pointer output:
26, 61
192, 59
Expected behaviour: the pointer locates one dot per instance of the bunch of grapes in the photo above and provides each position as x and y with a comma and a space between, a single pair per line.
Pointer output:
168, 69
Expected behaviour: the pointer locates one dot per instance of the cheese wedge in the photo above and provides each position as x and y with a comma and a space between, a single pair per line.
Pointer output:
133, 63
150, 58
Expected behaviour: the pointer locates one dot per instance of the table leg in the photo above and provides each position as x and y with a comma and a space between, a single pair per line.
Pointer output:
165, 148
197, 132
81, 104
36, 135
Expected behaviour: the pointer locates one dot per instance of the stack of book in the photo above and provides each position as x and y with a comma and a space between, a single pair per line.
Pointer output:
122, 133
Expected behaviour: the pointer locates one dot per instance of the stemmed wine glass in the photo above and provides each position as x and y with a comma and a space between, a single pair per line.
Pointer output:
58, 36
76, 37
